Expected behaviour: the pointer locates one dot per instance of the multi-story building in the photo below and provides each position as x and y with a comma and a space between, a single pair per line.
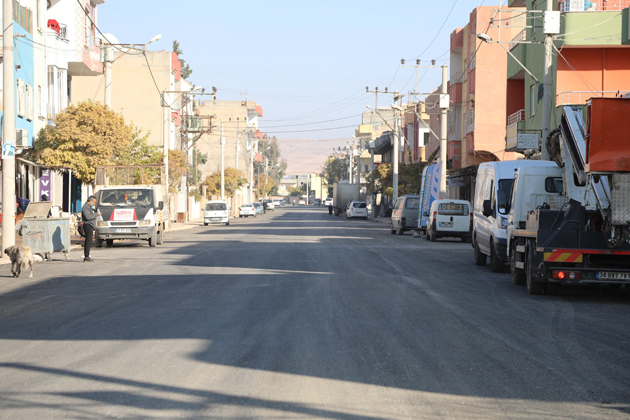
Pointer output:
591, 58
54, 41
138, 82
475, 125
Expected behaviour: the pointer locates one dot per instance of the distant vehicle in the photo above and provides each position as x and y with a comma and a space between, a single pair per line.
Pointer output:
246, 210
277, 202
282, 203
259, 208
216, 211
302, 201
343, 193
450, 218
357, 209
405, 214
317, 202
328, 201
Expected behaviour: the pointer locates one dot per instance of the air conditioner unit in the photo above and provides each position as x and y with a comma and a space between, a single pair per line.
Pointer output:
21, 137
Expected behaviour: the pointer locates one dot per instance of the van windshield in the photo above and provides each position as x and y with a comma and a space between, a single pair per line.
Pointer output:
216, 206
126, 197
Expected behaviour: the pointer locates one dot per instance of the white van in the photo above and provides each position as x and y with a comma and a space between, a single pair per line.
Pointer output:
490, 209
449, 218
216, 211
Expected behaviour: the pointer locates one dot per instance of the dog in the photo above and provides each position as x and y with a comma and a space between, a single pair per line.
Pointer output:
21, 258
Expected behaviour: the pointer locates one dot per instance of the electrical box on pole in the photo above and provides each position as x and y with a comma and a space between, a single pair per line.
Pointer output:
551, 22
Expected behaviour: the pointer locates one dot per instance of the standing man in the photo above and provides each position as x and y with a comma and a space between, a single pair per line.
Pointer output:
89, 224
264, 206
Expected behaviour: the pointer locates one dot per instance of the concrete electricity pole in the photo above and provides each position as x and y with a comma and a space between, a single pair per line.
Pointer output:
546, 116
8, 128
444, 105
222, 141
395, 153
166, 130
109, 59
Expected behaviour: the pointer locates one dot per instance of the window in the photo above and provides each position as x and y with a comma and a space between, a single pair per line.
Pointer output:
532, 100
412, 203
554, 185
216, 206
426, 138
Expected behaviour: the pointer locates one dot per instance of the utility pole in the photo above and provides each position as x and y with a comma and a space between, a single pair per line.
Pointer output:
166, 131
222, 141
109, 59
373, 196
444, 105
546, 116
395, 152
8, 128
238, 147
250, 143
415, 86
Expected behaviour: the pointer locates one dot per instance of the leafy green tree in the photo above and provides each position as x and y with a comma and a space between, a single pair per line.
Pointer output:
88, 135
335, 170
233, 180
295, 191
186, 70
265, 185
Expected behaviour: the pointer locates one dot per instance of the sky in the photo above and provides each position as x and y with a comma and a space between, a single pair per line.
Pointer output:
307, 63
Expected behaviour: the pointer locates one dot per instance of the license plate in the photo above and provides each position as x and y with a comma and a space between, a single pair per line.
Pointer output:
446, 224
613, 275
216, 219
122, 230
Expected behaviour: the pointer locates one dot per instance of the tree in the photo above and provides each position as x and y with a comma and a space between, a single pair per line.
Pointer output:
295, 191
202, 158
270, 150
233, 180
88, 135
335, 170
264, 185
186, 70
177, 168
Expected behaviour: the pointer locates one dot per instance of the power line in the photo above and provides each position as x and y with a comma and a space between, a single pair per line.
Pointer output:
311, 123
151, 71
440, 30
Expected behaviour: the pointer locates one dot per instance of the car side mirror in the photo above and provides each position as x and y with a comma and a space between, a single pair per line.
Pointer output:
487, 208
160, 205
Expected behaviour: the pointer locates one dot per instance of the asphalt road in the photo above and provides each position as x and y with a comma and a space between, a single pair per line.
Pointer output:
298, 314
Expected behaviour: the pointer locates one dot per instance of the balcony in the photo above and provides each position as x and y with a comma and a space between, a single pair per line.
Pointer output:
580, 97
517, 140
604, 28
521, 36
592, 6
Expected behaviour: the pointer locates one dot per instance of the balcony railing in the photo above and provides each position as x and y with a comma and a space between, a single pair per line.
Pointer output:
517, 39
592, 6
516, 117
580, 97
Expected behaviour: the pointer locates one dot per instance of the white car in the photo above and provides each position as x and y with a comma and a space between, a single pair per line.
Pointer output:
277, 203
449, 218
328, 202
270, 205
216, 211
246, 210
357, 209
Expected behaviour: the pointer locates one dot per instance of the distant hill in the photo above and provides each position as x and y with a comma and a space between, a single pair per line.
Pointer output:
304, 156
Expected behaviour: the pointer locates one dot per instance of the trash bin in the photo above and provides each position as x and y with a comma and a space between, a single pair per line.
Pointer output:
45, 235
181, 217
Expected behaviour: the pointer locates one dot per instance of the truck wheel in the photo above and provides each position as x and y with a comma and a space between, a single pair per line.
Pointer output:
153, 239
110, 242
533, 287
496, 265
433, 237
480, 259
160, 237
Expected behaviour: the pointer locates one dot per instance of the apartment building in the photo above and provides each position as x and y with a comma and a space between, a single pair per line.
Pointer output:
591, 58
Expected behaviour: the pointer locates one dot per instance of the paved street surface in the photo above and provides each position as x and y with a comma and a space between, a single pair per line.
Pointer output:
298, 314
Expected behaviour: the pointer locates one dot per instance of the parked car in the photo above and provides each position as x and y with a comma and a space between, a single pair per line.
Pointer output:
405, 214
246, 210
302, 201
328, 201
317, 202
282, 203
357, 209
491, 207
449, 218
259, 208
277, 202
216, 211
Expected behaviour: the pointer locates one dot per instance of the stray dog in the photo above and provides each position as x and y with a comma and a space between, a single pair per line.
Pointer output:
21, 258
